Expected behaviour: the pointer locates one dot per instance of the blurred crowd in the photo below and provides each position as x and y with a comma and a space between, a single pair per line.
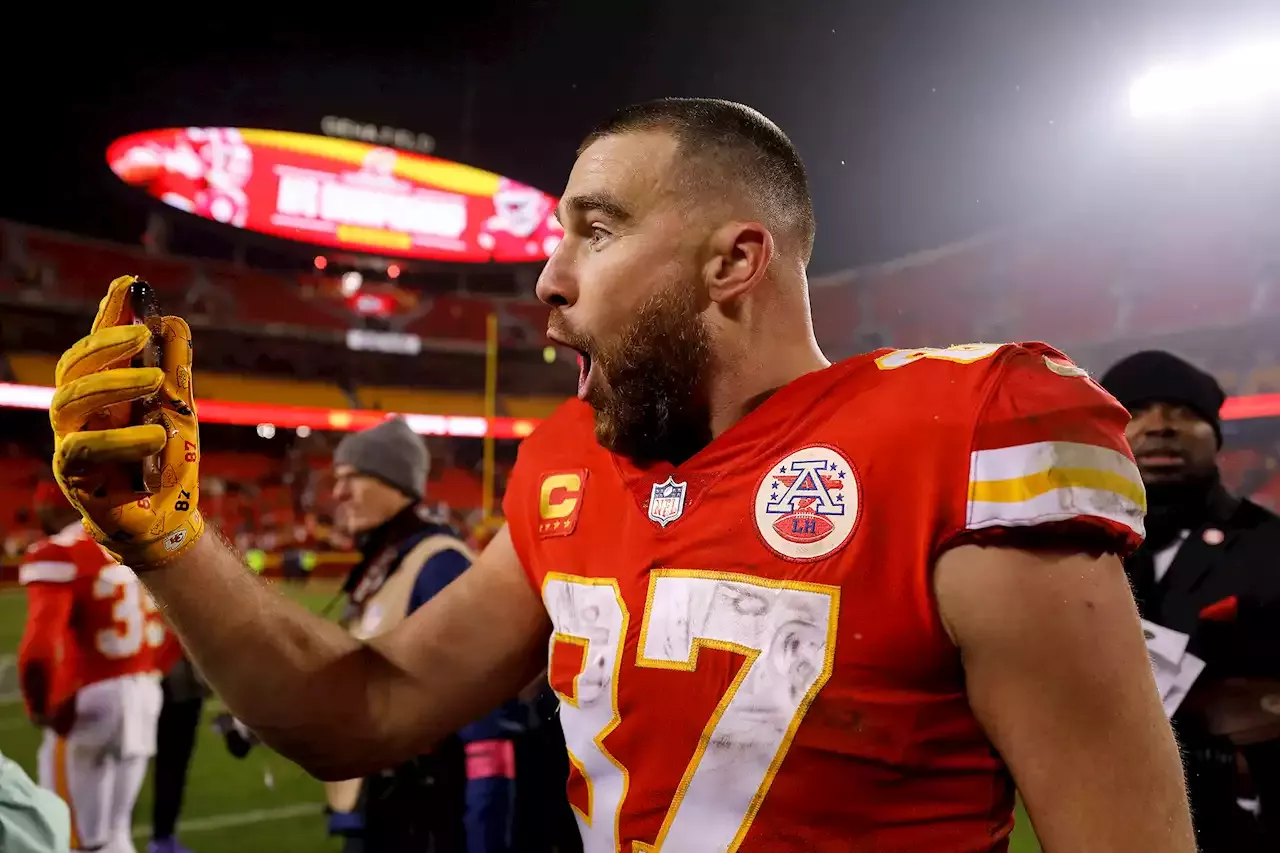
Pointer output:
263, 502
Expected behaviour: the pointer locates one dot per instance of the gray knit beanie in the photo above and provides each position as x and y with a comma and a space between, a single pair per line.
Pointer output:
391, 452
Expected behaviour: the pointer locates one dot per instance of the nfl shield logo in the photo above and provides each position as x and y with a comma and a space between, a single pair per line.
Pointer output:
666, 501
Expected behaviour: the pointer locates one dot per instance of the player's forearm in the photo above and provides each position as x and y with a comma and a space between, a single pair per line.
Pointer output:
299, 682
1102, 772
1093, 756
1112, 798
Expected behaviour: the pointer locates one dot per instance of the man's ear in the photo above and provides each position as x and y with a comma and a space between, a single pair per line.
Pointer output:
740, 254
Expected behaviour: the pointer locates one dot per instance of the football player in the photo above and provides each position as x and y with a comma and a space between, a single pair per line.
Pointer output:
787, 605
88, 667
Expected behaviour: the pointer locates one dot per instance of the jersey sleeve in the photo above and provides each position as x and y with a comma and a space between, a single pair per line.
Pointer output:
518, 511
1048, 461
46, 675
544, 487
47, 561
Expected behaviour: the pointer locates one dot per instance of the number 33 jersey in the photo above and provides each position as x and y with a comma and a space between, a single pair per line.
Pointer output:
88, 619
747, 648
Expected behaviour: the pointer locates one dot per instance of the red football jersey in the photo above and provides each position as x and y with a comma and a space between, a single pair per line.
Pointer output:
747, 647
88, 619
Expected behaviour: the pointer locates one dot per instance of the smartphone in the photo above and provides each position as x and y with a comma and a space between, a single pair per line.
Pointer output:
143, 309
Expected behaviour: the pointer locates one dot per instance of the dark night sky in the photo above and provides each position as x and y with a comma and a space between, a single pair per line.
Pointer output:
922, 121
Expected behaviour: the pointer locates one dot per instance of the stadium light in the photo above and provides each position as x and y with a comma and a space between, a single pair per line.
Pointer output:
1245, 77
351, 283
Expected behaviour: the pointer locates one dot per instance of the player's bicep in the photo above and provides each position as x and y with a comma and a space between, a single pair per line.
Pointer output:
1057, 673
476, 643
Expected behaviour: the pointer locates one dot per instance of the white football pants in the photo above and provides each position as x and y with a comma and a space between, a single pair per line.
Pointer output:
99, 766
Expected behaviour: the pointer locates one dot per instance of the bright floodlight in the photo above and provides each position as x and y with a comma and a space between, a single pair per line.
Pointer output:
351, 283
1244, 77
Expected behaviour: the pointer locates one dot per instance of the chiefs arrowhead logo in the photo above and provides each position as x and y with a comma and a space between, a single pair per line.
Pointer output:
174, 540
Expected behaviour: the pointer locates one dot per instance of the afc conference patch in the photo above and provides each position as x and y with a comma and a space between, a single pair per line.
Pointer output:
807, 505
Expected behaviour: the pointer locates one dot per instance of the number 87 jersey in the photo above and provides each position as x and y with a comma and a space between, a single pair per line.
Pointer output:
747, 648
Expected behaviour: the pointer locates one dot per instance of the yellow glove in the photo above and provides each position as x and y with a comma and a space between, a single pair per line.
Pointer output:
95, 445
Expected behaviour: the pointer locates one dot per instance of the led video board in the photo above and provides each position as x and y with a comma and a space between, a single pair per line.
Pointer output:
340, 193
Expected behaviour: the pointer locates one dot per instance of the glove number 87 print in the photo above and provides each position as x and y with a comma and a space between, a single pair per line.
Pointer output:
784, 630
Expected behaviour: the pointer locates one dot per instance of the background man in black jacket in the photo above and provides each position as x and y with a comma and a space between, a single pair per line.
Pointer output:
1210, 568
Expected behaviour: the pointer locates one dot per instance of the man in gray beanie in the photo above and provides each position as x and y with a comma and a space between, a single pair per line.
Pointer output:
379, 472
460, 796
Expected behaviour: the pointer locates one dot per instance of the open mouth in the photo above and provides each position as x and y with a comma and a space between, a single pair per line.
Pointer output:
584, 364
584, 374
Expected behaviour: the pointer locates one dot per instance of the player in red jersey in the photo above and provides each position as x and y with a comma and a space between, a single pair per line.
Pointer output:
89, 666
790, 606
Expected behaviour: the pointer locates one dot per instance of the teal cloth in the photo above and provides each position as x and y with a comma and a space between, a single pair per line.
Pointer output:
32, 819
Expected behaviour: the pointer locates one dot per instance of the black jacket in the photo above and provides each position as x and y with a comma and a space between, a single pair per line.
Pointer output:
1233, 552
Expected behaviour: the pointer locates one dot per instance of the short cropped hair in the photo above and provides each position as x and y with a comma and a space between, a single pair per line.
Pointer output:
727, 142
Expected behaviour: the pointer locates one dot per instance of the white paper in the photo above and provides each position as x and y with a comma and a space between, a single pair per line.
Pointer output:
1165, 643
1175, 670
1177, 687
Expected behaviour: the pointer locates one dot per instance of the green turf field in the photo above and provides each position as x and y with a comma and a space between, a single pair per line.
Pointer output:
263, 804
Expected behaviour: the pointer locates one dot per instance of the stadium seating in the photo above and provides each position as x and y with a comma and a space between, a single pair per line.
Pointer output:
238, 466
80, 268
1269, 494
530, 407
251, 389
456, 487
1138, 270
1264, 380
19, 475
261, 297
30, 368
414, 400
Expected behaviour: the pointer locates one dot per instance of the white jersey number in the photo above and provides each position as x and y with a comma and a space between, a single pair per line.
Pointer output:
135, 616
786, 632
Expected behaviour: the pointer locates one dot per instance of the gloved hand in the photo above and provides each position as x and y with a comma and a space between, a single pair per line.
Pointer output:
238, 737
93, 437
61, 720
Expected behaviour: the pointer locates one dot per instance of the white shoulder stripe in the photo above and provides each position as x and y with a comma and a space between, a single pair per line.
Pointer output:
46, 572
1009, 463
1062, 504
1050, 481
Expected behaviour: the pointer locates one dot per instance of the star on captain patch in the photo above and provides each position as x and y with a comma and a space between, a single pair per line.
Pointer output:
666, 501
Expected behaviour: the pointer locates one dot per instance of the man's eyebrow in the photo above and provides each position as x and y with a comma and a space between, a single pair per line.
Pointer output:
601, 203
